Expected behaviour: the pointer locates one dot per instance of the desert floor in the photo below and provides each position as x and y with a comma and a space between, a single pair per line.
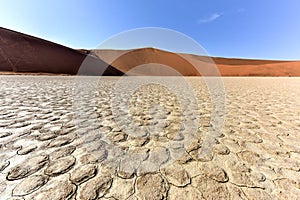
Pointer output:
83, 138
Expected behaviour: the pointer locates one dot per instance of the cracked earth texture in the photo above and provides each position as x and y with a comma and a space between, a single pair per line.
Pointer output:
49, 152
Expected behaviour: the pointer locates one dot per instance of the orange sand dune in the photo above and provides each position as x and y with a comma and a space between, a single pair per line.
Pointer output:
153, 61
24, 53
21, 53
190, 65
251, 67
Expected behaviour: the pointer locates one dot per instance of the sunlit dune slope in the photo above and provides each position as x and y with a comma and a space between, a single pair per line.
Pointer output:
193, 65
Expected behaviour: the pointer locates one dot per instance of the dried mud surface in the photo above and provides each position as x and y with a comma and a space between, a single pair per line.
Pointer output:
51, 149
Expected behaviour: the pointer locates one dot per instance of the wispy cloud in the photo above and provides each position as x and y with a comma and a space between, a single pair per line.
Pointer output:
240, 10
211, 18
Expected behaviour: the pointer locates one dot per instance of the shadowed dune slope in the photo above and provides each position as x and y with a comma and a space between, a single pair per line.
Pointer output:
23, 53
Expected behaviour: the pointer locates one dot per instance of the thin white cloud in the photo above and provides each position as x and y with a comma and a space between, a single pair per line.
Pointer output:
240, 10
211, 18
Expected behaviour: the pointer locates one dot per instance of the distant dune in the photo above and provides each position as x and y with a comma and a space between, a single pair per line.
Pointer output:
246, 67
21, 53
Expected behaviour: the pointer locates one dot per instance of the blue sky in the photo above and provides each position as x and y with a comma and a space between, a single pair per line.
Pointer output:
267, 29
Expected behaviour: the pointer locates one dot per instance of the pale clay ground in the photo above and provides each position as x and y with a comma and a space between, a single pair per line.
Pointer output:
51, 149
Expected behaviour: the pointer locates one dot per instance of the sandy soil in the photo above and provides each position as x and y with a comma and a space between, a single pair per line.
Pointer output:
54, 148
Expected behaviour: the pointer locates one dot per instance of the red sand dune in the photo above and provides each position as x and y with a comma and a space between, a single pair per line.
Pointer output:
125, 60
152, 62
24, 53
27, 54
